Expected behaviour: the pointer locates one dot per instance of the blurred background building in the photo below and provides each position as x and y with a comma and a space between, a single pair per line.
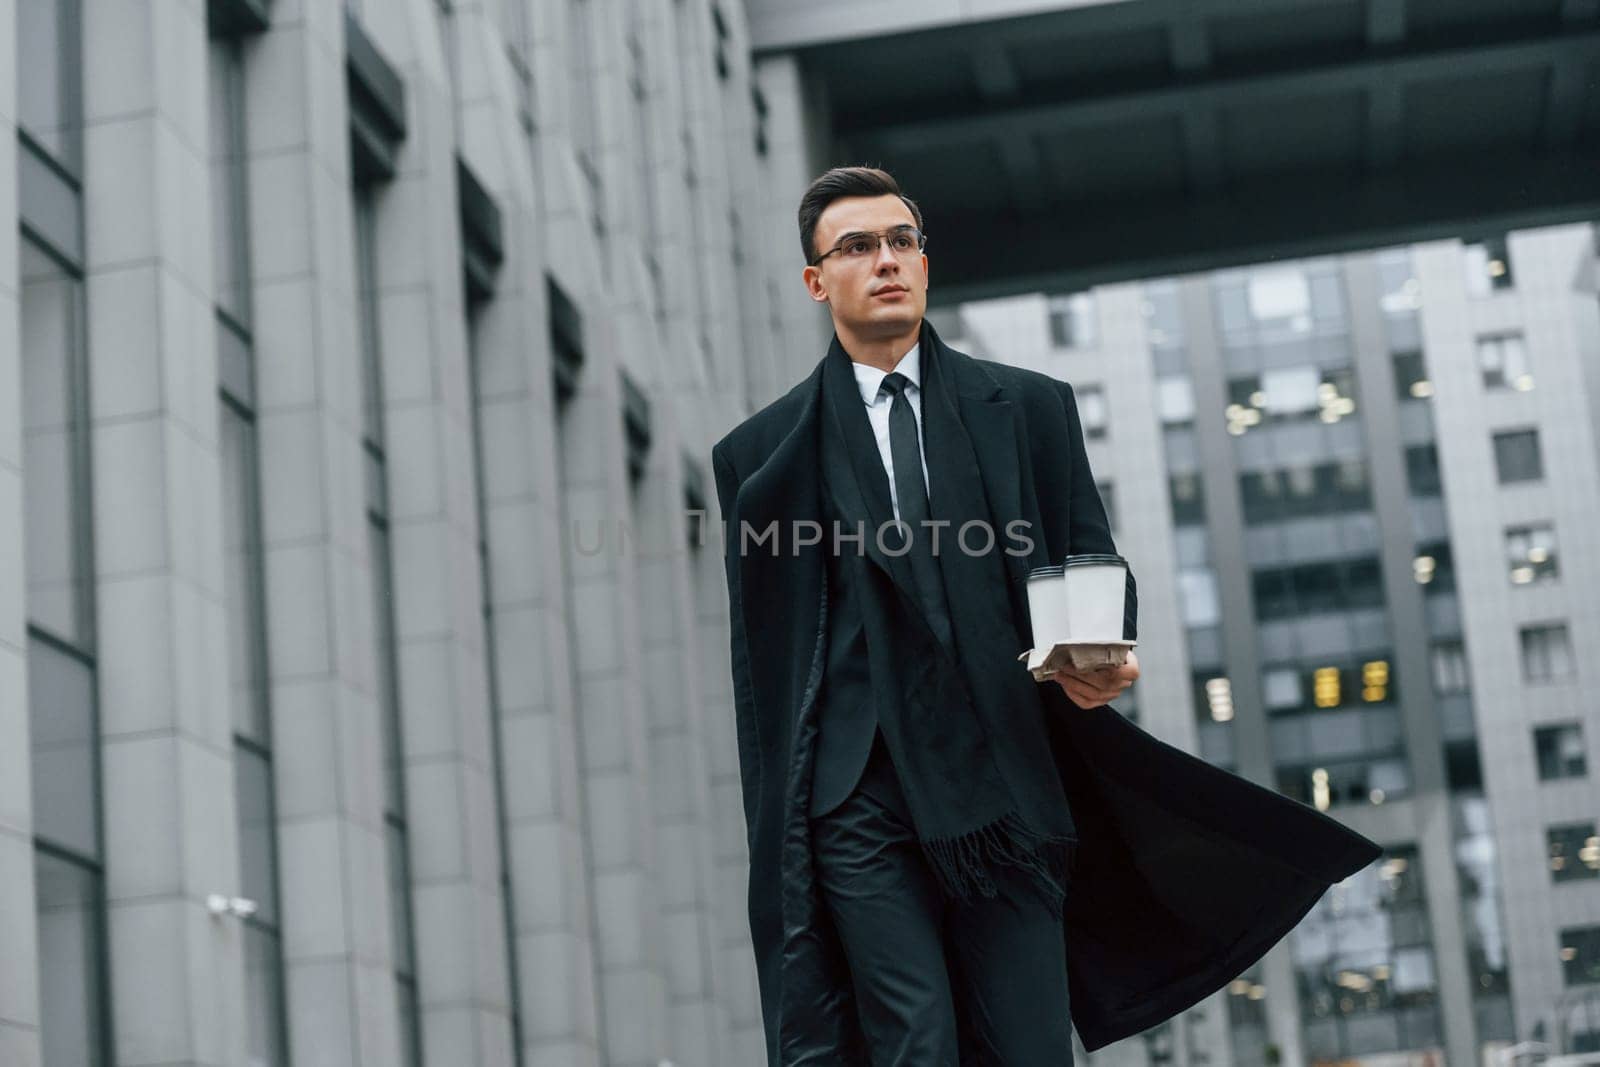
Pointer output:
363, 683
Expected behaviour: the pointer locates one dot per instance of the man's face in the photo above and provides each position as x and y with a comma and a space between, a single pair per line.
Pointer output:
882, 294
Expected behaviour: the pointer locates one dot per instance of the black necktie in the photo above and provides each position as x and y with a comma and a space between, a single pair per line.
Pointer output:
911, 494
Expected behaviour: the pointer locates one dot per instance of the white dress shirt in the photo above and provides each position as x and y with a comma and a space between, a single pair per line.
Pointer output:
870, 380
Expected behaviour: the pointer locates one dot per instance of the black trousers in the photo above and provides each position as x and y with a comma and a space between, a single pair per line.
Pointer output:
914, 954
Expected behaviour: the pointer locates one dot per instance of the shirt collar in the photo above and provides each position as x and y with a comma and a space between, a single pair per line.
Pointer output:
870, 379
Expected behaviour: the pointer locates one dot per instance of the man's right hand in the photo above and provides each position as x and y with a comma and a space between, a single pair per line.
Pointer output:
1090, 689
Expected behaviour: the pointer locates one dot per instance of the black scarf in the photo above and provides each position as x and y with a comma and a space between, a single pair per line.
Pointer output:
963, 725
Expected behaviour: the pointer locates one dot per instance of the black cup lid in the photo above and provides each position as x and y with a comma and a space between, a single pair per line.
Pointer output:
1052, 570
1094, 557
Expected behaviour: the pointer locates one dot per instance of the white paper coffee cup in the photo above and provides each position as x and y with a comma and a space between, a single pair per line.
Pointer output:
1078, 601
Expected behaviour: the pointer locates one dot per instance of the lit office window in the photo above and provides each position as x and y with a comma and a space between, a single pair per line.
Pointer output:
1363, 958
1580, 955
1517, 456
1503, 362
1488, 265
1574, 851
1434, 566
1092, 411
1559, 751
1531, 553
1072, 320
1546, 653
1411, 381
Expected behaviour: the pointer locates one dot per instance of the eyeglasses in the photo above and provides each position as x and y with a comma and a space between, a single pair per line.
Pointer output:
860, 247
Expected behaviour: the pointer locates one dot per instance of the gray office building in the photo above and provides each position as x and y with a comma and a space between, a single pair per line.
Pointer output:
1361, 493
364, 694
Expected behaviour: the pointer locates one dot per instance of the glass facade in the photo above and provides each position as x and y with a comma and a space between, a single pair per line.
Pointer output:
63, 713
386, 661
477, 409
244, 590
1364, 962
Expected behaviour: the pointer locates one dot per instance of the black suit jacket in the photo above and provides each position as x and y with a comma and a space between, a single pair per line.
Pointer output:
1184, 874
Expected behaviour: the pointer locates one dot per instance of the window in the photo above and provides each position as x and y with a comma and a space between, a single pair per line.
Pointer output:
1422, 470
758, 107
1188, 505
1072, 320
1517, 456
1163, 313
1175, 401
1574, 852
1411, 380
386, 653
1280, 293
1546, 653
1197, 593
67, 904
1398, 282
244, 583
1434, 566
1450, 674
1580, 955
719, 23
1559, 751
1304, 490
1488, 265
63, 715
48, 78
1281, 688
1503, 361
1531, 553
1092, 411
1324, 586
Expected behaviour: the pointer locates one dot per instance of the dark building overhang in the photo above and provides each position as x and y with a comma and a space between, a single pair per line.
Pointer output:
1107, 141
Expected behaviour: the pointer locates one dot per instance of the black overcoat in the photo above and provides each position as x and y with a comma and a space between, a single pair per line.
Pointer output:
1184, 874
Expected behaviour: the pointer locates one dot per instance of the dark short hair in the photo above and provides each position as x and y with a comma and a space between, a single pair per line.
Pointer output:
838, 183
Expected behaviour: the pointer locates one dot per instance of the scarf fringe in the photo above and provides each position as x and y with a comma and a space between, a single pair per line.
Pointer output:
964, 865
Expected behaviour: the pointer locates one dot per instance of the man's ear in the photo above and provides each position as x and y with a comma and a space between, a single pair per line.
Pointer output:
812, 276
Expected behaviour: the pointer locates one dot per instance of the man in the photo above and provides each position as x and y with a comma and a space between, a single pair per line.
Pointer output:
945, 854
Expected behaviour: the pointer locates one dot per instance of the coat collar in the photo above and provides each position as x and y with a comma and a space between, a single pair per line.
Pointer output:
788, 483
